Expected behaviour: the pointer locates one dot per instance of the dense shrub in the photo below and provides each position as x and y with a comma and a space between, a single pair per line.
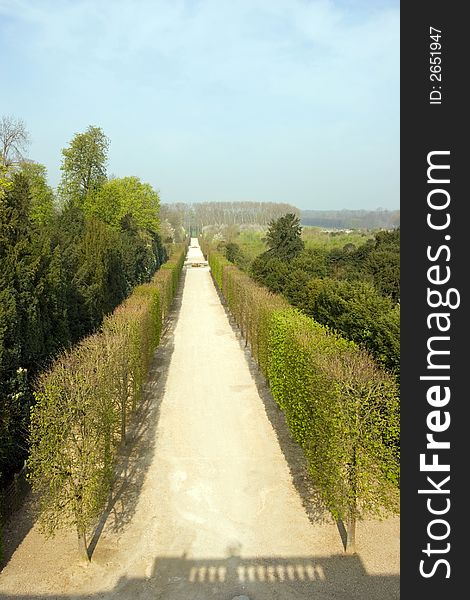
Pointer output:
353, 308
354, 291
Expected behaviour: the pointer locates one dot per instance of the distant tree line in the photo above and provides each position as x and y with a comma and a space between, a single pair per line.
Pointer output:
351, 219
67, 259
195, 217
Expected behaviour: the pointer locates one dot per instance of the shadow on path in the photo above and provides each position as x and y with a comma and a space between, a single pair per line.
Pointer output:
259, 578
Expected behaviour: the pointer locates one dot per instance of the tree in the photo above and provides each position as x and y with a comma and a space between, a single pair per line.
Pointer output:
42, 196
100, 278
360, 313
284, 237
82, 407
354, 456
233, 252
70, 463
84, 165
5, 182
270, 271
14, 139
18, 302
120, 198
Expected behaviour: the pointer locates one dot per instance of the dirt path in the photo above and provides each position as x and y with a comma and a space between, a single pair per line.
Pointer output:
207, 506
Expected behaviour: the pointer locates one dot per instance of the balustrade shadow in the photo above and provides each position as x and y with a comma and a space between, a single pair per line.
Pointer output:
260, 578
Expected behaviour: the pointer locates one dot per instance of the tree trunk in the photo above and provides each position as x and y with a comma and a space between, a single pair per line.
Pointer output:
123, 421
351, 534
82, 546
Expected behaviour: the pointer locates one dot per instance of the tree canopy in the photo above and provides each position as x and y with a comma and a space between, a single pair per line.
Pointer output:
42, 195
122, 198
84, 165
284, 237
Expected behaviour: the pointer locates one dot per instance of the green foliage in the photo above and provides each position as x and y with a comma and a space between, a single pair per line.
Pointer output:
61, 272
283, 237
233, 252
295, 287
5, 182
252, 244
272, 272
341, 407
312, 261
42, 196
352, 290
353, 452
57, 282
18, 317
100, 278
316, 237
84, 165
125, 198
70, 463
83, 404
357, 311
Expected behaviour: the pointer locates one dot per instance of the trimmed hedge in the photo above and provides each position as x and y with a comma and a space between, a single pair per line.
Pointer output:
83, 403
341, 407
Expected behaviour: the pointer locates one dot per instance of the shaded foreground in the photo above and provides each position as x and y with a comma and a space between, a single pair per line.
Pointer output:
322, 578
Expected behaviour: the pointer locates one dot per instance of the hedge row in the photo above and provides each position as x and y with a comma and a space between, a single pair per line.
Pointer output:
341, 407
84, 401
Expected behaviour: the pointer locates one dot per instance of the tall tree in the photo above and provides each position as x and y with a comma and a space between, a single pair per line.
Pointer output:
84, 165
284, 237
17, 301
100, 278
14, 139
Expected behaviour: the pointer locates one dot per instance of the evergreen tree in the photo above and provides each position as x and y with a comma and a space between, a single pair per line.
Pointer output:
42, 196
284, 237
17, 302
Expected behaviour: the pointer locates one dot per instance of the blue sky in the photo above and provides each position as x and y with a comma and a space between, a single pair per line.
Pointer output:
211, 100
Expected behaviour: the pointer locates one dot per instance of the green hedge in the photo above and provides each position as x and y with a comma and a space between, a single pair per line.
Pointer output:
84, 401
341, 407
